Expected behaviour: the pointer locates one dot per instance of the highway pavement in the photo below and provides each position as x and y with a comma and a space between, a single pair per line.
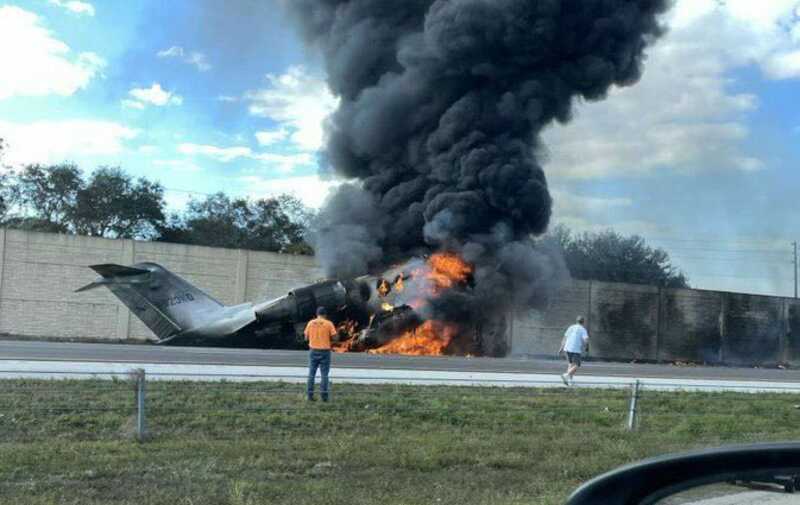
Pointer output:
38, 351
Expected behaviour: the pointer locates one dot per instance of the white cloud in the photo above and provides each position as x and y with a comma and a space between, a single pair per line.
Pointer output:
683, 115
195, 58
172, 52
296, 101
582, 213
37, 64
199, 60
568, 204
749, 164
154, 95
281, 162
147, 149
132, 104
310, 189
640, 227
784, 65
762, 15
269, 137
178, 165
75, 6
223, 154
227, 98
60, 140
285, 163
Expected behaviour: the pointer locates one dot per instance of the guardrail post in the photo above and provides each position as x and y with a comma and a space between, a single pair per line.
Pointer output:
632, 410
140, 419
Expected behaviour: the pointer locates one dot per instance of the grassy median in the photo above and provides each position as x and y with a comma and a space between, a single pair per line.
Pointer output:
65, 442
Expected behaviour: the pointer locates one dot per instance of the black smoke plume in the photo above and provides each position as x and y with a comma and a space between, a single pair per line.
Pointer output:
442, 104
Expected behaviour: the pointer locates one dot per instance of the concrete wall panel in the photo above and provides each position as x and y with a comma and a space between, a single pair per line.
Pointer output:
753, 329
57, 319
39, 275
792, 331
623, 322
539, 332
689, 326
271, 275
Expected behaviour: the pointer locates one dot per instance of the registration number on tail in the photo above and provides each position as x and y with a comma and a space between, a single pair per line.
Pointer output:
179, 299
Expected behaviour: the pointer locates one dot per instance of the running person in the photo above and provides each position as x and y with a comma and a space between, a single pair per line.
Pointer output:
575, 338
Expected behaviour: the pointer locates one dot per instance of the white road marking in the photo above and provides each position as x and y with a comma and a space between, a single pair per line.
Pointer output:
160, 371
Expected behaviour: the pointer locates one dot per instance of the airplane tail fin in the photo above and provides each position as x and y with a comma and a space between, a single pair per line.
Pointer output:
113, 273
164, 302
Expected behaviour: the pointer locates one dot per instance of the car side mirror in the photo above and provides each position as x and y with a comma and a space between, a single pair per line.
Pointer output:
653, 481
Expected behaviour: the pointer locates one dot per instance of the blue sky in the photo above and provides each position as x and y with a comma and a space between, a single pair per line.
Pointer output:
198, 99
700, 157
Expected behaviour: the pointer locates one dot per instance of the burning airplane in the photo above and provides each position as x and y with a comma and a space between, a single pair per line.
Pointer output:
380, 314
437, 134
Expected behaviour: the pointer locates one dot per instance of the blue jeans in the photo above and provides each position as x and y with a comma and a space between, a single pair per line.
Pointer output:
322, 360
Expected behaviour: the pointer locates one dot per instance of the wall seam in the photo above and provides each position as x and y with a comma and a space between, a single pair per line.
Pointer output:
2, 270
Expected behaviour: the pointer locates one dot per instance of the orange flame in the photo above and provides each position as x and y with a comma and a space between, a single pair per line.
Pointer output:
431, 338
348, 332
383, 287
441, 271
448, 269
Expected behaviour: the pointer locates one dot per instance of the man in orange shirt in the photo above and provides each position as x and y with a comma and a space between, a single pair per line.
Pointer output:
319, 332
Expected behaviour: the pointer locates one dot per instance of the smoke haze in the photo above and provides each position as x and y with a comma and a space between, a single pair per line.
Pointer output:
442, 105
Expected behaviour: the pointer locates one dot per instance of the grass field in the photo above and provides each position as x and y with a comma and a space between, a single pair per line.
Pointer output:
66, 442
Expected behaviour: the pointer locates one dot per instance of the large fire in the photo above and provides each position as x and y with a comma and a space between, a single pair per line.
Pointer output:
447, 269
441, 271
431, 338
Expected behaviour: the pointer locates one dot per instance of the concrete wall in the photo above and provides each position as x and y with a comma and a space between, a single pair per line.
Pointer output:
689, 328
40, 271
792, 345
623, 320
541, 331
752, 328
629, 322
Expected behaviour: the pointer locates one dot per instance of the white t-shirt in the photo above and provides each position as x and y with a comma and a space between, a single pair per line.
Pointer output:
576, 337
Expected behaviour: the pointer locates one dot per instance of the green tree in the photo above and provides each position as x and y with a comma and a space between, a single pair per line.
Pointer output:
112, 204
611, 257
8, 189
275, 225
56, 198
48, 196
268, 224
215, 221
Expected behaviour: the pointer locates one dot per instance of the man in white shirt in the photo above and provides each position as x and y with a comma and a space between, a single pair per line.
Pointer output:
575, 338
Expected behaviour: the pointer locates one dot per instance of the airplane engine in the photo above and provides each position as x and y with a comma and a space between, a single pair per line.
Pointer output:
300, 305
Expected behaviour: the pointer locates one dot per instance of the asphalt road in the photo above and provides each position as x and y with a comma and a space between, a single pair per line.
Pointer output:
144, 353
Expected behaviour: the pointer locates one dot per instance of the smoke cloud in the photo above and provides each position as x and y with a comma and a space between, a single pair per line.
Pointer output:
442, 105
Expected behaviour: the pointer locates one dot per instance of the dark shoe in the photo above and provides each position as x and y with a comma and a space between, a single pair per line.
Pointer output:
324, 398
311, 399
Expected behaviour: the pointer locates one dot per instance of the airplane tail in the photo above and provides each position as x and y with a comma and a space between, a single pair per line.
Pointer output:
164, 302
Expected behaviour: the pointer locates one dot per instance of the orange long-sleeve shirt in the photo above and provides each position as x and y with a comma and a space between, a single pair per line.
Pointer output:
319, 332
